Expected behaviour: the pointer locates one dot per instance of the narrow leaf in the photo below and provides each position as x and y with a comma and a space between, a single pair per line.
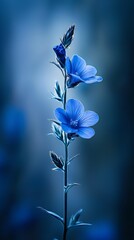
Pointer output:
56, 98
59, 92
70, 186
58, 89
74, 219
56, 160
72, 158
54, 121
52, 214
83, 224
80, 224
58, 66
58, 169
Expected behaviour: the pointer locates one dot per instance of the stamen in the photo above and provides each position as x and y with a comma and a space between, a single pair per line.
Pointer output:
73, 123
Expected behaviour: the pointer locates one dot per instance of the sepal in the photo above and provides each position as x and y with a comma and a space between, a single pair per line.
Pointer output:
71, 137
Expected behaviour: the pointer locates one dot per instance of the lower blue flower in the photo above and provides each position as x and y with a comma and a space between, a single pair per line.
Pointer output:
75, 121
78, 71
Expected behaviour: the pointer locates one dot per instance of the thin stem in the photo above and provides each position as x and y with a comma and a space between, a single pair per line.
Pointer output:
65, 167
65, 193
65, 90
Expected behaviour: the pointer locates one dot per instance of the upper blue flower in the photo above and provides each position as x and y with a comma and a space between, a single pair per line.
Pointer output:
75, 121
61, 54
78, 71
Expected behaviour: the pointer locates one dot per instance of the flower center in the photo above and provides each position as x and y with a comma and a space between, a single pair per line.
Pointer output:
73, 123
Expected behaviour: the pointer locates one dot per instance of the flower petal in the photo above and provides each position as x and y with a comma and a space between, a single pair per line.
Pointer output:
93, 79
86, 132
74, 109
73, 81
78, 64
61, 115
68, 129
68, 65
88, 71
88, 119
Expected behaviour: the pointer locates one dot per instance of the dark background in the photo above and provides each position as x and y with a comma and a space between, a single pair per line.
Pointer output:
28, 32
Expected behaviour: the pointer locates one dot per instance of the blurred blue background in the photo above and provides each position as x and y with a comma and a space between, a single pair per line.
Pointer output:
29, 30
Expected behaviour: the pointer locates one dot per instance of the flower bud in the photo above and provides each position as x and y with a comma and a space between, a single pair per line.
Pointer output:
61, 54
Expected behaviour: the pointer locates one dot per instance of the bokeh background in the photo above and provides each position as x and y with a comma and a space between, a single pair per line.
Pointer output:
29, 30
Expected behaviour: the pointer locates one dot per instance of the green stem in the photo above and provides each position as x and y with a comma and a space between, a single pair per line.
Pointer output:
65, 167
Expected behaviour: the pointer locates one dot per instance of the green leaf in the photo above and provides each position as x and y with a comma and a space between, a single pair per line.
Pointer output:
53, 214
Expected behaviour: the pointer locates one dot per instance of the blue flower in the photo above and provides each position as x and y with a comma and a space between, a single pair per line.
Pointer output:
78, 71
61, 54
75, 121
